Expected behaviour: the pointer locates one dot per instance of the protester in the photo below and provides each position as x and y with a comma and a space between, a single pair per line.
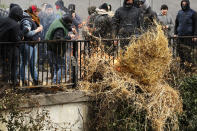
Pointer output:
77, 22
10, 32
126, 21
147, 14
185, 25
31, 23
59, 30
186, 21
103, 22
46, 19
91, 13
103, 26
88, 29
61, 9
166, 20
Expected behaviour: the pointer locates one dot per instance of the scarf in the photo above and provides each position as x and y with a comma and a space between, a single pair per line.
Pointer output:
35, 18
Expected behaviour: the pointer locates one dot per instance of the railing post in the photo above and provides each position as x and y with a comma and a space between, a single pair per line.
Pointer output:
75, 63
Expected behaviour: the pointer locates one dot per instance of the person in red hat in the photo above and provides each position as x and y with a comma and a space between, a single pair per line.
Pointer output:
30, 24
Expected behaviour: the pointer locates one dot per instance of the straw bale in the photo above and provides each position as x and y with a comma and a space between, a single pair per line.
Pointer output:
147, 58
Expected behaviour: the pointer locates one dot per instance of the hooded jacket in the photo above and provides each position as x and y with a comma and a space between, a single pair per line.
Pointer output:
16, 13
9, 30
58, 30
103, 24
9, 26
126, 21
186, 21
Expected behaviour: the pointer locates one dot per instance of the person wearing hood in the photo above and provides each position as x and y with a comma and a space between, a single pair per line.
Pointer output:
102, 22
77, 22
186, 21
47, 19
59, 30
103, 26
88, 28
126, 21
10, 32
185, 25
166, 20
61, 9
30, 23
91, 12
147, 14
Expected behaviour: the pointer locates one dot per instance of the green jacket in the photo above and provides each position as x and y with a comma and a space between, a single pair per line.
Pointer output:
50, 35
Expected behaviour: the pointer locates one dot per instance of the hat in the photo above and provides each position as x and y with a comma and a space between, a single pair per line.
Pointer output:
35, 8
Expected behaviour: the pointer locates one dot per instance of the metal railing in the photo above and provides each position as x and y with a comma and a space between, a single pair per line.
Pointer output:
43, 63
61, 62
184, 47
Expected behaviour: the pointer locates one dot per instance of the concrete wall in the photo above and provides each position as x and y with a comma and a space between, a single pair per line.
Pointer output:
68, 110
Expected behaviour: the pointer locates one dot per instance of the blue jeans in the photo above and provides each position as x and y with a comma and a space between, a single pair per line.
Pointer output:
59, 64
29, 56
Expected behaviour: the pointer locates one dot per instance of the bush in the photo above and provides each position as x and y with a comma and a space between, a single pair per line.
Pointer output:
188, 90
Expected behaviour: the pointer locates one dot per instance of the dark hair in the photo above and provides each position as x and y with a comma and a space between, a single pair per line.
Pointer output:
67, 18
91, 10
104, 6
164, 7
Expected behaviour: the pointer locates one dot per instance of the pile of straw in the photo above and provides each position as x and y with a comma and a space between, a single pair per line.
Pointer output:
137, 77
148, 58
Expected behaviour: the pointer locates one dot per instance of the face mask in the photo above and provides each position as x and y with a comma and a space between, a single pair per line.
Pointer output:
129, 4
184, 7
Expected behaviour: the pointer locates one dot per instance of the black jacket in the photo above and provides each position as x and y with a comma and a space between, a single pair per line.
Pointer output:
9, 26
9, 30
103, 25
127, 20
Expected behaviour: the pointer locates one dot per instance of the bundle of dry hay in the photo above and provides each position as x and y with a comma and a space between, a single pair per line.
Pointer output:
148, 58
137, 77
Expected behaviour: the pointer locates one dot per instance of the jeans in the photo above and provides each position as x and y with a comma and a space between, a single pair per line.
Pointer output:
59, 64
28, 57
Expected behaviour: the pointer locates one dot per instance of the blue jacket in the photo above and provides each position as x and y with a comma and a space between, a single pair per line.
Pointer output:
186, 22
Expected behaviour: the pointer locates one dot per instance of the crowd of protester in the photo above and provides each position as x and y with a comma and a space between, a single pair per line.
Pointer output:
35, 24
